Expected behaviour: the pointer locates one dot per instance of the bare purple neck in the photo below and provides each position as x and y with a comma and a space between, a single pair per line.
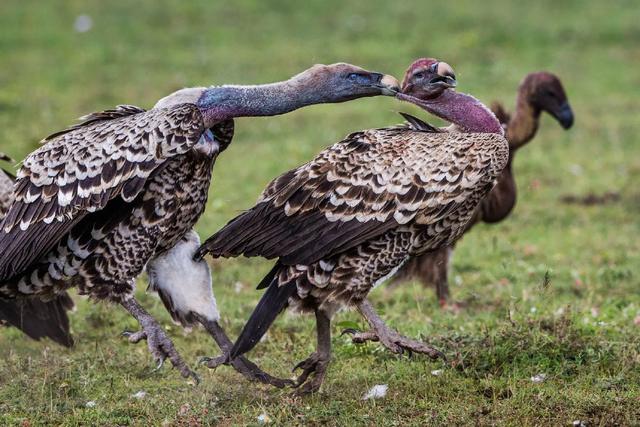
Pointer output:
465, 111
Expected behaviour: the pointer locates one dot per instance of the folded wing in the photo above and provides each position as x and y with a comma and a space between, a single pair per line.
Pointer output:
77, 171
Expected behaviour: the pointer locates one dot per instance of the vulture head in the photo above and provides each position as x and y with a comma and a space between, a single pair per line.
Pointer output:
544, 92
428, 78
343, 82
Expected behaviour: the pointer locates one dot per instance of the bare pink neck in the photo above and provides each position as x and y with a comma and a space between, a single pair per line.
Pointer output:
465, 111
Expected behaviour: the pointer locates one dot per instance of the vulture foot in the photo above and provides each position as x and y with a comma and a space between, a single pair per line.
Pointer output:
317, 365
160, 345
394, 342
241, 364
161, 348
248, 369
389, 338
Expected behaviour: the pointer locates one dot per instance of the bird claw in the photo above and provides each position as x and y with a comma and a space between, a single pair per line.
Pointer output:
160, 364
349, 331
398, 344
247, 368
317, 365
161, 348
213, 362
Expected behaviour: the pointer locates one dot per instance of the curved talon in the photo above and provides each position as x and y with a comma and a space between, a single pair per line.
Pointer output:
196, 378
350, 331
160, 365
214, 362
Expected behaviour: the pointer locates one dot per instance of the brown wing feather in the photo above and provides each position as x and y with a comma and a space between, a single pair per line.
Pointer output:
367, 184
80, 170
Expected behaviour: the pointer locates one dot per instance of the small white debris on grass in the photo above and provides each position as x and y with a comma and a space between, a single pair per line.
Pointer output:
378, 391
436, 372
90, 404
579, 423
575, 169
139, 395
264, 418
538, 378
238, 287
83, 23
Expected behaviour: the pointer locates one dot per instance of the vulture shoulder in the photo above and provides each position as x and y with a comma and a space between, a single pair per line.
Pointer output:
79, 170
371, 182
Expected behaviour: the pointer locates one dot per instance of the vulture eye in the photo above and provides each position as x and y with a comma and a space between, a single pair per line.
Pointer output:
419, 75
359, 78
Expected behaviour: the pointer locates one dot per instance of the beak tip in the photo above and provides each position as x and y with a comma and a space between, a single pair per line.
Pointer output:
390, 83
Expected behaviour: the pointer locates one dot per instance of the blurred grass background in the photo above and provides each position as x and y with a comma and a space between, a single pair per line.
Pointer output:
581, 330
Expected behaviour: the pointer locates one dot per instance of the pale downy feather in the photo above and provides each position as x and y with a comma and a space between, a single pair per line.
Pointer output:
184, 284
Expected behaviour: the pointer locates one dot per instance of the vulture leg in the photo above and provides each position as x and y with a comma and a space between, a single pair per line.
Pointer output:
318, 362
389, 338
160, 345
439, 272
241, 364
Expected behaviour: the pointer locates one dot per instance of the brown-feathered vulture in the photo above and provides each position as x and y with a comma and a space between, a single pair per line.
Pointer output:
122, 190
344, 222
36, 318
538, 92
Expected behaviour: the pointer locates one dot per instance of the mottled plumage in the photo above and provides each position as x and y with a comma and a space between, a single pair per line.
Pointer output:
35, 317
399, 189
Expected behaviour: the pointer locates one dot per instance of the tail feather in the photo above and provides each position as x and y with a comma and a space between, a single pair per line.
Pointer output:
273, 301
39, 319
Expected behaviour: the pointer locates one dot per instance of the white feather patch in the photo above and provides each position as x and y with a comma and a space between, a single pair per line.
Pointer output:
186, 282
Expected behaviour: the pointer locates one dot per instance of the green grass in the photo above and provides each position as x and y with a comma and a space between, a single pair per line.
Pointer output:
579, 330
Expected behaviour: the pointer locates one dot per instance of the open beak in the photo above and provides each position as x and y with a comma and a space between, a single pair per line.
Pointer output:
445, 76
443, 81
389, 85
564, 115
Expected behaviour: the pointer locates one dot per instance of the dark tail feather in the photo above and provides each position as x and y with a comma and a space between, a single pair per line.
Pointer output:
271, 304
39, 319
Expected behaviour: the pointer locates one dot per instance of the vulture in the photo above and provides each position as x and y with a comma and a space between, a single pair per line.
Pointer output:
344, 222
538, 92
36, 318
122, 190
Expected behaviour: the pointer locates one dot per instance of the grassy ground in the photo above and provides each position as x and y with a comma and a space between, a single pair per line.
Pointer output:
580, 329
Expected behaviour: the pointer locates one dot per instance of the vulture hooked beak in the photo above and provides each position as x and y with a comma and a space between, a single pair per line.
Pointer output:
388, 84
564, 115
445, 77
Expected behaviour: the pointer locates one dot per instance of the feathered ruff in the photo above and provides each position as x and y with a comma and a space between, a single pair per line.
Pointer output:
39, 319
274, 300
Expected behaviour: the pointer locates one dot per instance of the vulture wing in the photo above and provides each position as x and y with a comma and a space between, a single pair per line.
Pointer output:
77, 171
359, 188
